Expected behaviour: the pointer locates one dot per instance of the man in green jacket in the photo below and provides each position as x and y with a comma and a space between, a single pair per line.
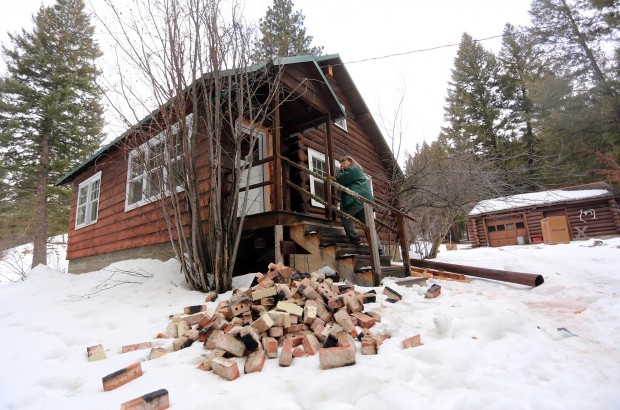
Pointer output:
351, 175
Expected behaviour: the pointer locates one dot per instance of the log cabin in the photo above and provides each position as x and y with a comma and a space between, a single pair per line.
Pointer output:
292, 213
584, 211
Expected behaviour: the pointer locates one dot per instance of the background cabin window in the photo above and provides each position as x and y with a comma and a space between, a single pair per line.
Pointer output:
150, 164
520, 225
491, 229
88, 201
341, 122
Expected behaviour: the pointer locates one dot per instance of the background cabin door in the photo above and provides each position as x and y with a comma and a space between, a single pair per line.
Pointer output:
257, 197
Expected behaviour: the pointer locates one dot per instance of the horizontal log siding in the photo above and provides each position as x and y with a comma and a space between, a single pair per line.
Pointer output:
116, 229
607, 219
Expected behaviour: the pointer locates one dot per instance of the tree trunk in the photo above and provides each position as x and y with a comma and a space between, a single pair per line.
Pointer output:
39, 256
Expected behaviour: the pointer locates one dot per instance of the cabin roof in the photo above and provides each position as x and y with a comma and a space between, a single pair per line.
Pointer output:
334, 105
543, 198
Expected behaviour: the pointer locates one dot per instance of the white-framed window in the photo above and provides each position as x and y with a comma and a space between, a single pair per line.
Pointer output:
88, 201
342, 121
316, 161
148, 167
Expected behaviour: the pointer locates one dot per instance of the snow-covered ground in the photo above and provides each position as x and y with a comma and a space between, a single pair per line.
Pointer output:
486, 344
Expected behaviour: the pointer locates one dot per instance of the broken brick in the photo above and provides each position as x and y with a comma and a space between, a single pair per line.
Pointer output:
137, 346
433, 292
225, 368
413, 341
157, 400
121, 377
286, 353
95, 353
255, 362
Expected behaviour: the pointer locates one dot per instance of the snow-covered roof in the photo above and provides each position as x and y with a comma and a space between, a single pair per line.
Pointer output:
534, 199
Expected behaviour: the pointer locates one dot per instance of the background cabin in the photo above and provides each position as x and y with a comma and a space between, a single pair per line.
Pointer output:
589, 210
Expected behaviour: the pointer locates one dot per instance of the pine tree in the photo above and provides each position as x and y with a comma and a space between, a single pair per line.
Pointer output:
50, 115
283, 34
521, 68
474, 102
575, 35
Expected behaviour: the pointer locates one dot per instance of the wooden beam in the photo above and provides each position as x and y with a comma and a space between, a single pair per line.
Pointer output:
278, 233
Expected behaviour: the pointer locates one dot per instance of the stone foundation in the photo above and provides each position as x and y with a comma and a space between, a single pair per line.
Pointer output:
162, 252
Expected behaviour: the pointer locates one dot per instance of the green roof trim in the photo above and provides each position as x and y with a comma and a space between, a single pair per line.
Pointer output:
280, 61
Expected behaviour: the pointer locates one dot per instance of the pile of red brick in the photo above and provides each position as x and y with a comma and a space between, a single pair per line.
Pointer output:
285, 316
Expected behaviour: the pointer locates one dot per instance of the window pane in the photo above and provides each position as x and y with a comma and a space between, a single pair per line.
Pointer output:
135, 191
94, 190
81, 211
520, 225
319, 188
318, 165
491, 229
93, 211
155, 156
83, 195
153, 184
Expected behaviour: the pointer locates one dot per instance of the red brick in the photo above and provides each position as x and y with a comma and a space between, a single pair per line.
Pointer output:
433, 292
369, 346
271, 347
204, 321
181, 343
364, 320
255, 362
172, 330
375, 315
391, 293
232, 345
210, 343
353, 303
157, 352
343, 319
276, 331
137, 346
157, 400
95, 353
121, 377
317, 322
333, 357
311, 344
298, 352
413, 341
239, 308
296, 328
262, 323
225, 368
190, 310
286, 353
207, 360
210, 297
336, 303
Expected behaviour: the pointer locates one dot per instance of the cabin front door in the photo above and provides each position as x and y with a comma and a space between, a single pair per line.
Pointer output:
256, 197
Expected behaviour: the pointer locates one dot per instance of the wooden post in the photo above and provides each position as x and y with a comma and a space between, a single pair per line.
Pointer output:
404, 241
329, 165
278, 234
373, 240
278, 189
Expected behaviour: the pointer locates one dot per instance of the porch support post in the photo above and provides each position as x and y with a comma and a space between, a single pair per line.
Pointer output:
373, 240
404, 241
277, 168
278, 234
329, 169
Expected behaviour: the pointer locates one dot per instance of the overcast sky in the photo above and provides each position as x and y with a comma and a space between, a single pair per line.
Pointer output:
363, 33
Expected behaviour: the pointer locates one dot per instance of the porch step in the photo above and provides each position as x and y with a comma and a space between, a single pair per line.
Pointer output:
351, 261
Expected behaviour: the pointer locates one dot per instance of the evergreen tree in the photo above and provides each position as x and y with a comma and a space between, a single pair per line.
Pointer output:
283, 34
474, 102
521, 68
575, 35
50, 115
